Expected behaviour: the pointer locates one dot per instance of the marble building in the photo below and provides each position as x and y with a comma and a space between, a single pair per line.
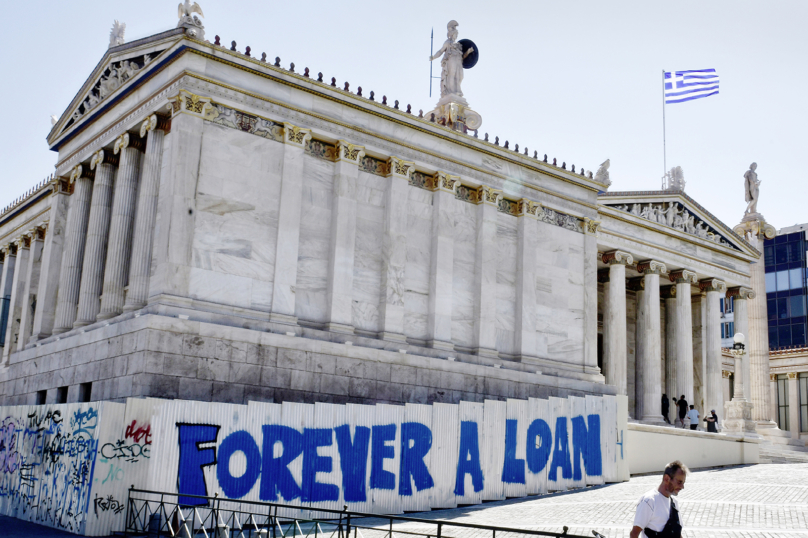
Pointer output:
219, 227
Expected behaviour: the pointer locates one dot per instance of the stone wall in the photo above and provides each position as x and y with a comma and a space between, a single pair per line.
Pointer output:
173, 358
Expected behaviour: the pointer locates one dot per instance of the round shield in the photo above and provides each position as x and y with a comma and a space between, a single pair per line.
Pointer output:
470, 60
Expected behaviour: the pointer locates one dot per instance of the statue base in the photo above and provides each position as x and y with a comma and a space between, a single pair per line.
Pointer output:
453, 111
193, 27
755, 224
738, 420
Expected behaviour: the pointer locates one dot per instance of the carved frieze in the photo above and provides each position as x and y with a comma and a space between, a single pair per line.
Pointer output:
677, 216
373, 166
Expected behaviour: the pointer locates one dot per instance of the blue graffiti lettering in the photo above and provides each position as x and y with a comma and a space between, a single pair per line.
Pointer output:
353, 458
586, 445
468, 461
313, 463
538, 453
276, 478
190, 477
416, 440
561, 454
238, 486
513, 470
380, 451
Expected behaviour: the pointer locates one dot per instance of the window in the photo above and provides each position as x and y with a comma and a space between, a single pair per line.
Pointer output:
797, 305
782, 308
721, 305
771, 282
771, 308
798, 334
61, 395
723, 331
782, 402
784, 335
781, 253
729, 304
41, 397
795, 278
782, 280
774, 343
85, 392
794, 252
803, 386
768, 252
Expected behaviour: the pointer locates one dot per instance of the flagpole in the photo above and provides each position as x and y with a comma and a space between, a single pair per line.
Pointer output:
664, 148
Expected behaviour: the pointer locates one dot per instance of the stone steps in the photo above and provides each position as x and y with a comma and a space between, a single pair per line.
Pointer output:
783, 441
777, 454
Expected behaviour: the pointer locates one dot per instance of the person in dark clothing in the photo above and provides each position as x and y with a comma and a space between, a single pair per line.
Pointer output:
683, 407
711, 420
666, 407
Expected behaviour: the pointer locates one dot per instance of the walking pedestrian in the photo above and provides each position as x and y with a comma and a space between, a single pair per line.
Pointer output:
657, 514
681, 405
666, 408
693, 415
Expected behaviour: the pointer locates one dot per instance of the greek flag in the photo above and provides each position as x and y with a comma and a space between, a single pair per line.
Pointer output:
681, 86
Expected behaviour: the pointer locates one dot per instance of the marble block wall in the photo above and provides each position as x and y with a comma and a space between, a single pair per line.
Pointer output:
506, 284
367, 283
465, 244
236, 219
416, 274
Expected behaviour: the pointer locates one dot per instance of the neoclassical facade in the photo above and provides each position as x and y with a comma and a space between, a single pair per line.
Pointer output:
222, 228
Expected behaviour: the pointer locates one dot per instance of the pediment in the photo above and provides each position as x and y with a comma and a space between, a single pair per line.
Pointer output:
119, 67
676, 210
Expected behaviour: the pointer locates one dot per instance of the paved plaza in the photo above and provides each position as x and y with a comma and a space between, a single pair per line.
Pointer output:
746, 501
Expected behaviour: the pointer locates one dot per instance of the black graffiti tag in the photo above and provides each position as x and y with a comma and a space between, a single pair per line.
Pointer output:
108, 504
120, 450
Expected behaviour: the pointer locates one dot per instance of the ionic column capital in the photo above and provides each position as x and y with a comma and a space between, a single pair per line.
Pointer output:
792, 375
23, 241
528, 208
683, 276
712, 284
651, 267
349, 153
667, 292
591, 227
102, 157
617, 257
154, 122
442, 181
79, 171
489, 196
295, 136
126, 141
399, 168
741, 293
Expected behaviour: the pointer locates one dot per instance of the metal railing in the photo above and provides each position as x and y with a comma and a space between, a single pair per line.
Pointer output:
158, 514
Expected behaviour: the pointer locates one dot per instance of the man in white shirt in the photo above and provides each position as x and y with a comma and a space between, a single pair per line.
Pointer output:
693, 415
657, 513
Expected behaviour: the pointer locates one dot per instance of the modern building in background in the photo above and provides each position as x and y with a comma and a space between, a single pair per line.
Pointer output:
786, 292
786, 287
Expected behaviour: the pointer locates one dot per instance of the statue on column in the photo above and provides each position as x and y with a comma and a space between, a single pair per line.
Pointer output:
752, 189
452, 109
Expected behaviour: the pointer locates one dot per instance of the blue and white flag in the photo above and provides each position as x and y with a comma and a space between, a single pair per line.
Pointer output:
681, 86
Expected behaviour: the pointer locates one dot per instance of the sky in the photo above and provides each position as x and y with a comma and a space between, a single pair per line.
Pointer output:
578, 80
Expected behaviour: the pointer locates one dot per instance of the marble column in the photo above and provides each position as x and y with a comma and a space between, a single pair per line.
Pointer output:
652, 346
591, 229
682, 330
51, 265
700, 356
793, 405
615, 359
394, 250
95, 252
78, 214
485, 273
19, 288
757, 341
527, 231
740, 297
668, 295
713, 288
726, 393
288, 239
9, 264
29, 299
343, 238
772, 397
119, 246
441, 265
637, 285
153, 129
